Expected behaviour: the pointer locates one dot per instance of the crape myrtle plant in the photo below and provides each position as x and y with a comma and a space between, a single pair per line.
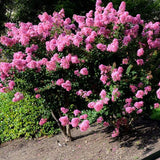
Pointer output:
107, 61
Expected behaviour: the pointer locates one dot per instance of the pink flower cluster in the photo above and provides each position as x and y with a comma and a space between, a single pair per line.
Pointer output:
84, 94
66, 85
17, 97
42, 121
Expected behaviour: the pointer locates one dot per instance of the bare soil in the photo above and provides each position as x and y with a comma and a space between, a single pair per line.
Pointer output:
94, 144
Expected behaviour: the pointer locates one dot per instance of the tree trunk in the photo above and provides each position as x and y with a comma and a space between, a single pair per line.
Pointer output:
66, 131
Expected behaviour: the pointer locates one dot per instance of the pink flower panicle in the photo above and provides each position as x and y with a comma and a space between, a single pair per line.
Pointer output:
17, 97
84, 125
42, 121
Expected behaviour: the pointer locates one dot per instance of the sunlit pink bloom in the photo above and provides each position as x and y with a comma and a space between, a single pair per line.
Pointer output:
84, 125
64, 120
140, 62
59, 81
64, 110
105, 100
91, 104
17, 97
76, 112
99, 120
105, 124
104, 78
113, 47
101, 47
67, 85
158, 93
38, 96
98, 106
75, 122
147, 89
11, 85
140, 94
84, 116
115, 132
76, 72
42, 121
140, 52
139, 111
35, 89
128, 100
84, 71
125, 61
133, 88
156, 105
140, 84
138, 105
129, 109
103, 93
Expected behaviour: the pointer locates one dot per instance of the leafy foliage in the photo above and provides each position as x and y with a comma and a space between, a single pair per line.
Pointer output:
21, 119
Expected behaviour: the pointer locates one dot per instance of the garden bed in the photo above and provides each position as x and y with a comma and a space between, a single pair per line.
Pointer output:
94, 144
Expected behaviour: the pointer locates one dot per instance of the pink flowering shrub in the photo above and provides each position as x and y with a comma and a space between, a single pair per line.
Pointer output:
101, 61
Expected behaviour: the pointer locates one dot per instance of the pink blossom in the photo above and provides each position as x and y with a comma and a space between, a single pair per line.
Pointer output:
17, 97
101, 47
104, 78
98, 106
76, 72
84, 116
38, 96
32, 64
99, 120
51, 65
140, 62
88, 47
76, 112
139, 111
128, 100
126, 40
11, 85
113, 47
138, 105
75, 122
133, 88
64, 120
84, 71
35, 89
67, 85
115, 132
129, 109
5, 67
147, 89
116, 75
91, 104
140, 94
156, 105
74, 59
64, 110
140, 52
59, 81
158, 93
140, 84
105, 100
84, 125
115, 94
105, 124
42, 121
125, 61
103, 93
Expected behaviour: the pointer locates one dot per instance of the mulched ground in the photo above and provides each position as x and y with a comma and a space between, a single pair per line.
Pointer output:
94, 144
